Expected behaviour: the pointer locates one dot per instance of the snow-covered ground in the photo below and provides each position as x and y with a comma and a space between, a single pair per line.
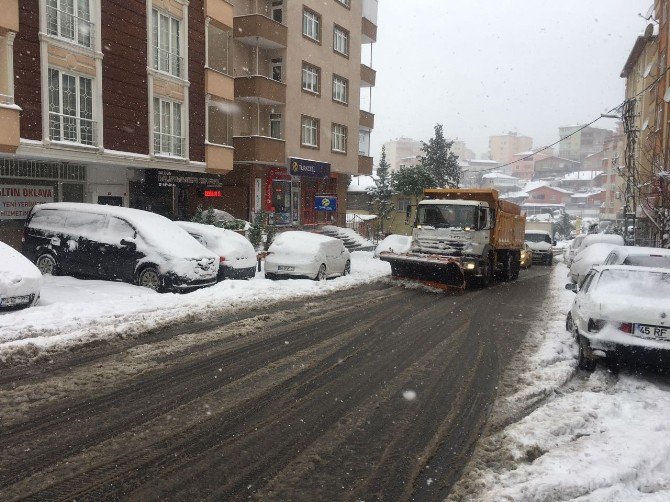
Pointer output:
562, 434
74, 311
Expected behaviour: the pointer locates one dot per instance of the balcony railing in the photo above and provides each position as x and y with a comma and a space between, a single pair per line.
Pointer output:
70, 27
259, 30
169, 145
168, 62
72, 129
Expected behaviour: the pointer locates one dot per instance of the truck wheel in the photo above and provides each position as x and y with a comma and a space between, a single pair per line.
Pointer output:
516, 263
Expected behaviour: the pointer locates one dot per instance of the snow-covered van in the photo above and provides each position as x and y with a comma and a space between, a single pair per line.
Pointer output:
116, 243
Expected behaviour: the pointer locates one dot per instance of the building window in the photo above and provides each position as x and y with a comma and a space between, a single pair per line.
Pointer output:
219, 49
275, 125
339, 138
340, 89
168, 139
277, 12
341, 41
310, 78
364, 142
403, 205
309, 135
71, 108
219, 123
277, 69
166, 42
70, 20
346, 3
311, 25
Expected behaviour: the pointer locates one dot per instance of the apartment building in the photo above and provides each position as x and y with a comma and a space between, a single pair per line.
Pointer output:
503, 147
578, 143
401, 151
166, 104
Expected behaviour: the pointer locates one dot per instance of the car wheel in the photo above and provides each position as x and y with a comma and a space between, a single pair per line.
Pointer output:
47, 264
584, 362
149, 278
347, 268
321, 274
568, 322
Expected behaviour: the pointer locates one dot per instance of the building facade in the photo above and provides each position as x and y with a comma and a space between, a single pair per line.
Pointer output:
503, 147
167, 104
399, 150
578, 144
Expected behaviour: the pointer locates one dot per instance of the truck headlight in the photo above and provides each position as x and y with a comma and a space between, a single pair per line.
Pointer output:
469, 266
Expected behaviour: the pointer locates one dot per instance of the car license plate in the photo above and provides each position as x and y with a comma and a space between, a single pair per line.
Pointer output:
285, 268
646, 331
15, 300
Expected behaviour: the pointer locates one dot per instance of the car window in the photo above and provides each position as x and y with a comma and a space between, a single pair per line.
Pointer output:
199, 238
648, 261
48, 219
586, 284
119, 229
85, 224
611, 258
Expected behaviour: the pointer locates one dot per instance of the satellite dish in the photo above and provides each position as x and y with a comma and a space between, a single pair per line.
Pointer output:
649, 31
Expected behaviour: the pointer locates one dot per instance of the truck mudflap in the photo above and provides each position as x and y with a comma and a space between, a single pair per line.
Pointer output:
444, 272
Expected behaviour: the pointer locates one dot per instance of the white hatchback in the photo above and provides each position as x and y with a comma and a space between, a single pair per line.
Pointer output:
621, 311
305, 254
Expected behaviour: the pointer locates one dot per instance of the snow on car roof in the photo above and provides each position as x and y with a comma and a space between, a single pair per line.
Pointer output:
155, 229
631, 268
643, 251
299, 242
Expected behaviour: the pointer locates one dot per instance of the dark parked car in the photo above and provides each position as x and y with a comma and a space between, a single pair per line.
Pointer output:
116, 243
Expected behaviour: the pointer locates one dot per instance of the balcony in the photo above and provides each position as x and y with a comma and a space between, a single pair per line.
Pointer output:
220, 12
261, 90
368, 76
219, 84
218, 158
9, 16
9, 125
259, 150
366, 119
365, 165
259, 31
368, 31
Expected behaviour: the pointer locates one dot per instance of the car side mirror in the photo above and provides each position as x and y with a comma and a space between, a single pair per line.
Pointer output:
572, 287
129, 244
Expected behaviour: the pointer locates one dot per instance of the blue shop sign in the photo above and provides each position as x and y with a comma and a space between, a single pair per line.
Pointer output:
325, 203
308, 168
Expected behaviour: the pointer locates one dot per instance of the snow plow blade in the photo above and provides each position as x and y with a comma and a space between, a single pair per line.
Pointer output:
439, 271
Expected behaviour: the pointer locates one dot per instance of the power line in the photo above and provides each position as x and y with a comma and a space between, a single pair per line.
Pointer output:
581, 128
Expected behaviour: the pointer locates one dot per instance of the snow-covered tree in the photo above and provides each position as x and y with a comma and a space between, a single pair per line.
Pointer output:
256, 230
411, 181
440, 161
381, 193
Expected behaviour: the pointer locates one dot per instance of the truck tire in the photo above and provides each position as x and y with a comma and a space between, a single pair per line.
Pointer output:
516, 265
508, 267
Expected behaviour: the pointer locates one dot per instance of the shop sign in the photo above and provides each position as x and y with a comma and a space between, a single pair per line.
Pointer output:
325, 203
212, 193
308, 168
16, 201
167, 178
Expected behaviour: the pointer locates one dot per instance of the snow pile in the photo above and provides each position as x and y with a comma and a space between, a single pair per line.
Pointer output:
350, 234
592, 437
74, 312
394, 244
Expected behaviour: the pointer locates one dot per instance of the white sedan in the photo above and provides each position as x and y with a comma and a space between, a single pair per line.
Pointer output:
639, 256
305, 254
593, 255
20, 280
622, 312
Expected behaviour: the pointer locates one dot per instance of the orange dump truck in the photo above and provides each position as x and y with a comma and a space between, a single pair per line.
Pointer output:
462, 236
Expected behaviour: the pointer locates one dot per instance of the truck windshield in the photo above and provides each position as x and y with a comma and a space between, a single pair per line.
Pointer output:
447, 216
538, 238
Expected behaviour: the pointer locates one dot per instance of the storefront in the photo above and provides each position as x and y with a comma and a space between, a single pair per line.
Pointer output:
24, 183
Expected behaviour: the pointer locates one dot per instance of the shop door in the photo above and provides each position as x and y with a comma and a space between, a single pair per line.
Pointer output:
308, 212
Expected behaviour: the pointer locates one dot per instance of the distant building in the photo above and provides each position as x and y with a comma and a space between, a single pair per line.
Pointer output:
613, 184
578, 144
546, 194
473, 170
502, 148
524, 164
461, 150
554, 167
401, 148
504, 183
579, 181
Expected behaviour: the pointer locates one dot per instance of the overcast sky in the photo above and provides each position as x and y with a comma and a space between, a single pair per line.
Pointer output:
484, 67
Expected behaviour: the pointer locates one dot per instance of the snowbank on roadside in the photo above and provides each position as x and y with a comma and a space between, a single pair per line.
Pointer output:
594, 437
74, 311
